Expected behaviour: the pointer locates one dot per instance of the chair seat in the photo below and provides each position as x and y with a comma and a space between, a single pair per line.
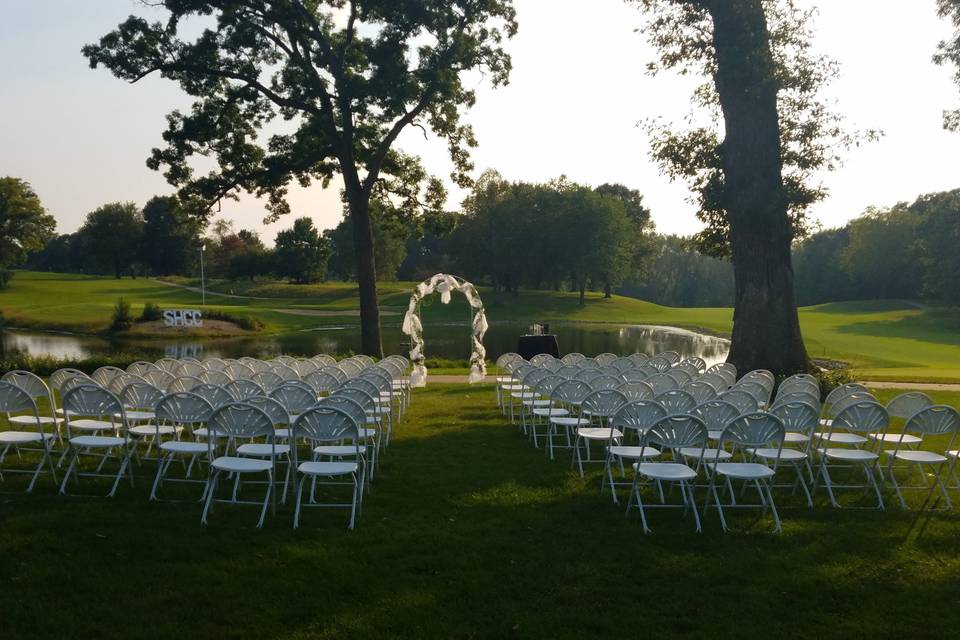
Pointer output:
86, 424
708, 454
744, 470
262, 450
841, 438
786, 455
793, 437
241, 465
367, 434
919, 457
282, 434
599, 433
537, 403
895, 438
33, 420
317, 468
570, 421
714, 434
338, 450
23, 437
136, 416
634, 453
152, 430
182, 446
203, 431
849, 455
551, 412
524, 395
96, 441
665, 470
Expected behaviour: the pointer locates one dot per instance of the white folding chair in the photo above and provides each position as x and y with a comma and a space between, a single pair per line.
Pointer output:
90, 409
937, 420
20, 408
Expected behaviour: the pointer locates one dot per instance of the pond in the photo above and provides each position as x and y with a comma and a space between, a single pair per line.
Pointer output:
450, 341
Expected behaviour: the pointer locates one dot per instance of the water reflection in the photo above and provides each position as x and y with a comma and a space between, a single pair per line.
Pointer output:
442, 341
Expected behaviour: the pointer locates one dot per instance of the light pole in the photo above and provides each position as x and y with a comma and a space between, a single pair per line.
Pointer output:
203, 288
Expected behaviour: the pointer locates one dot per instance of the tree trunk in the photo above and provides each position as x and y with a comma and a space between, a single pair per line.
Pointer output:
766, 329
583, 288
370, 341
607, 292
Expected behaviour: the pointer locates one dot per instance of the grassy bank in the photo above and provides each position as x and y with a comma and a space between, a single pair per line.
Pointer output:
468, 532
883, 340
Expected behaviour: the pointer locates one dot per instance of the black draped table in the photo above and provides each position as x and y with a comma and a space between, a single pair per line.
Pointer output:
529, 346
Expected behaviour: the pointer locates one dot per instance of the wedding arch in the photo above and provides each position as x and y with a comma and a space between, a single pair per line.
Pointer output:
445, 285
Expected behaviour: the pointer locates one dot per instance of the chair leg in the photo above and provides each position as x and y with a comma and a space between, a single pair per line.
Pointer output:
353, 506
299, 496
211, 488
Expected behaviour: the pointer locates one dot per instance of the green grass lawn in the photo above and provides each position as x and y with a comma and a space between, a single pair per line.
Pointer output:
468, 532
883, 340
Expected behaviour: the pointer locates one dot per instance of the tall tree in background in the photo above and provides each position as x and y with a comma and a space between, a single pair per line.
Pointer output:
171, 237
110, 238
754, 185
349, 74
25, 225
641, 245
948, 52
301, 253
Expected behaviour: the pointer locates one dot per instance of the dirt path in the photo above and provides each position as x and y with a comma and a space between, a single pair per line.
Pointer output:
915, 386
321, 313
211, 293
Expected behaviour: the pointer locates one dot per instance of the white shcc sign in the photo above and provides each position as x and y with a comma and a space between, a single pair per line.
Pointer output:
182, 318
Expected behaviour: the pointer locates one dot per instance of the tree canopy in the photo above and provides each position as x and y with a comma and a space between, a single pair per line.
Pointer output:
300, 253
25, 226
111, 237
339, 79
948, 52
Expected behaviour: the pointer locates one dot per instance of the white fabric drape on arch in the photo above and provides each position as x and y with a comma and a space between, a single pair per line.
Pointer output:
445, 285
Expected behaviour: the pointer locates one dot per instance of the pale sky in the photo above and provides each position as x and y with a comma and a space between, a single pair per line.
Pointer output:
577, 90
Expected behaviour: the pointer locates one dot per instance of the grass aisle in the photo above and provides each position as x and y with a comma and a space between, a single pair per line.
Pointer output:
468, 532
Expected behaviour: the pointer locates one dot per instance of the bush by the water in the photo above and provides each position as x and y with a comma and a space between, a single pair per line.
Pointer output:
122, 318
247, 323
43, 366
151, 312
5, 277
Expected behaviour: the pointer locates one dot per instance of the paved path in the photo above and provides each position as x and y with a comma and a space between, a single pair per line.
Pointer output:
916, 386
210, 293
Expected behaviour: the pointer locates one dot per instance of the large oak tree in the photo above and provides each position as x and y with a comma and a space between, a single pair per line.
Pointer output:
334, 82
751, 166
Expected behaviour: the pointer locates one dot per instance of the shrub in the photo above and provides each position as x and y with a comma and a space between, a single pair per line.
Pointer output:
151, 312
45, 365
830, 379
122, 318
5, 277
248, 323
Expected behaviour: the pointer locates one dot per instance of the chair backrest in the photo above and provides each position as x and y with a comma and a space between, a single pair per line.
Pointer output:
865, 416
571, 392
243, 389
603, 403
676, 401
350, 367
793, 385
347, 404
743, 401
848, 400
327, 424
141, 367
30, 383
285, 371
74, 382
325, 360
240, 420
294, 398
103, 375
277, 412
715, 380
761, 376
571, 358
701, 391
907, 405
634, 375
699, 363
588, 363
159, 378
216, 395
605, 382
681, 376
546, 386
507, 357
568, 371
688, 368
121, 380
798, 396
638, 358
844, 390
322, 382
661, 383
605, 358
622, 364
659, 364
586, 375
184, 383
183, 407
188, 368
797, 417
269, 380
239, 371
16, 400
58, 377
756, 388
140, 395
306, 367
364, 385
639, 415
716, 414
935, 420
214, 376
636, 391
168, 364
670, 356
677, 431
539, 359
361, 397
336, 372
758, 429
213, 364
92, 401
